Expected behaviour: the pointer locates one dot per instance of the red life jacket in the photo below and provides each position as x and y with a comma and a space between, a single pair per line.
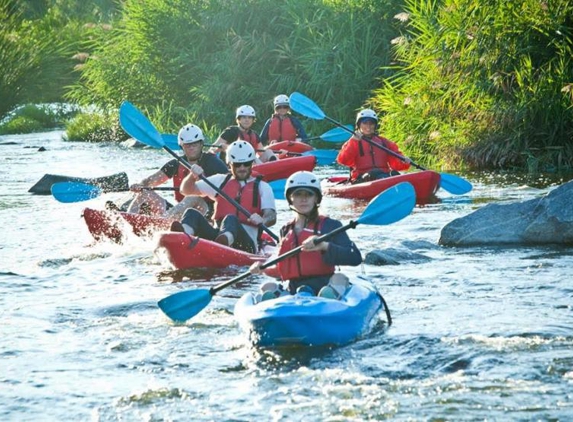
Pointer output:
182, 171
248, 196
281, 129
250, 136
370, 157
303, 264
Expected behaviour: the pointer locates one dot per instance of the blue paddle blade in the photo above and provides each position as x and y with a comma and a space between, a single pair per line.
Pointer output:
68, 192
324, 157
138, 126
390, 206
305, 106
186, 304
278, 187
338, 134
170, 141
454, 184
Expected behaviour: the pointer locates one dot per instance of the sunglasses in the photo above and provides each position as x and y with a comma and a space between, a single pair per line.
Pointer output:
247, 164
279, 107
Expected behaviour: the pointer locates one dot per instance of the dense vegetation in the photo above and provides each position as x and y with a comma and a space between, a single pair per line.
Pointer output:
459, 82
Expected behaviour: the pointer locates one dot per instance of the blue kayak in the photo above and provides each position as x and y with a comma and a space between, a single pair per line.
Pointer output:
307, 320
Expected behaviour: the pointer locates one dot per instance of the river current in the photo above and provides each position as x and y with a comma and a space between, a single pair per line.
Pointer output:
479, 333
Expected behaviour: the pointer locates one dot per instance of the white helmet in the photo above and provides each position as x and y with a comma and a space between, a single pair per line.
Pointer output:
281, 100
303, 179
190, 134
240, 152
245, 110
366, 114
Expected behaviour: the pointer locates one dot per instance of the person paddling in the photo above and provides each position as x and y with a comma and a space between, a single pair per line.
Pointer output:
191, 139
282, 125
245, 117
366, 161
231, 228
312, 270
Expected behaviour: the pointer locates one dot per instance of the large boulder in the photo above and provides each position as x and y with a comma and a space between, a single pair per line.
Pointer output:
537, 221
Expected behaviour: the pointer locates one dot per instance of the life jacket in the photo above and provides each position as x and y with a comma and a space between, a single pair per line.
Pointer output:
303, 264
248, 196
250, 136
370, 157
182, 171
281, 129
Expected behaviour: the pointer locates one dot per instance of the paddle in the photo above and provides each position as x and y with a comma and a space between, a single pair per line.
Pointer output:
388, 207
68, 192
278, 187
305, 106
139, 127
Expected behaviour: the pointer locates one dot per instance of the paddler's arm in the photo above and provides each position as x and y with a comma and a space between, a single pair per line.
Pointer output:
189, 184
156, 179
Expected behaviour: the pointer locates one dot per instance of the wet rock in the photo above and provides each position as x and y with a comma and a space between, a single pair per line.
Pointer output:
392, 256
133, 143
543, 220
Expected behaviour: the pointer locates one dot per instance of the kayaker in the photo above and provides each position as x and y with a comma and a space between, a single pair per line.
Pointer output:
311, 270
282, 125
366, 161
191, 139
245, 117
231, 227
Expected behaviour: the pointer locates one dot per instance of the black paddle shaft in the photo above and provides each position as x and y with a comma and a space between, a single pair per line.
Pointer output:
223, 194
382, 147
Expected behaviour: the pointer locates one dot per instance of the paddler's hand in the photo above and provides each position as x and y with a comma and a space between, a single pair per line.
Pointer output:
309, 246
255, 269
256, 219
357, 135
137, 187
197, 171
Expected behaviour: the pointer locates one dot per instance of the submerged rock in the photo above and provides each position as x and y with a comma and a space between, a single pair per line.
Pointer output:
392, 256
543, 220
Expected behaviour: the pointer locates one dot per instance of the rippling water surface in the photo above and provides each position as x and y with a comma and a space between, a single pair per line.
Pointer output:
478, 333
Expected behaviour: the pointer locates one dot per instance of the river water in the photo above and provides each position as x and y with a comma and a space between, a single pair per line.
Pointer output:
478, 333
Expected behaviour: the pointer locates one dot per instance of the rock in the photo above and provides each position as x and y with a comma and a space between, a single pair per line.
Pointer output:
537, 221
392, 256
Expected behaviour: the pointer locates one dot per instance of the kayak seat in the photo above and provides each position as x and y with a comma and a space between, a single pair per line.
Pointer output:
328, 292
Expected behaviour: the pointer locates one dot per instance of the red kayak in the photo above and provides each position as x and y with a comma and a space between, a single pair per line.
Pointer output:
293, 147
281, 169
426, 183
184, 252
104, 224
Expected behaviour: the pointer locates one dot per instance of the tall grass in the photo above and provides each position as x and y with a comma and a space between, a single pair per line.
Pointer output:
210, 56
483, 83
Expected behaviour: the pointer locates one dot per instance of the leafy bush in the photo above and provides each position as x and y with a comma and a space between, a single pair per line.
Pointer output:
483, 83
95, 127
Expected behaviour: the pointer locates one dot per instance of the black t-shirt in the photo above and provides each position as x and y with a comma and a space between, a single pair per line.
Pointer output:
210, 163
232, 133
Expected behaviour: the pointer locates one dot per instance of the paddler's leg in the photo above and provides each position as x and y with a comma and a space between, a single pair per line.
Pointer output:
154, 203
236, 235
196, 202
194, 223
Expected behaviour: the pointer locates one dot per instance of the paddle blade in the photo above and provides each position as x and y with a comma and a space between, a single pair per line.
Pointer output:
454, 184
338, 134
390, 206
138, 126
324, 157
171, 141
278, 187
68, 192
305, 106
184, 305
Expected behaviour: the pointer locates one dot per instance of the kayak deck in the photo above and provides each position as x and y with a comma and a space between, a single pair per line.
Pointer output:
184, 252
281, 169
426, 183
114, 225
309, 320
